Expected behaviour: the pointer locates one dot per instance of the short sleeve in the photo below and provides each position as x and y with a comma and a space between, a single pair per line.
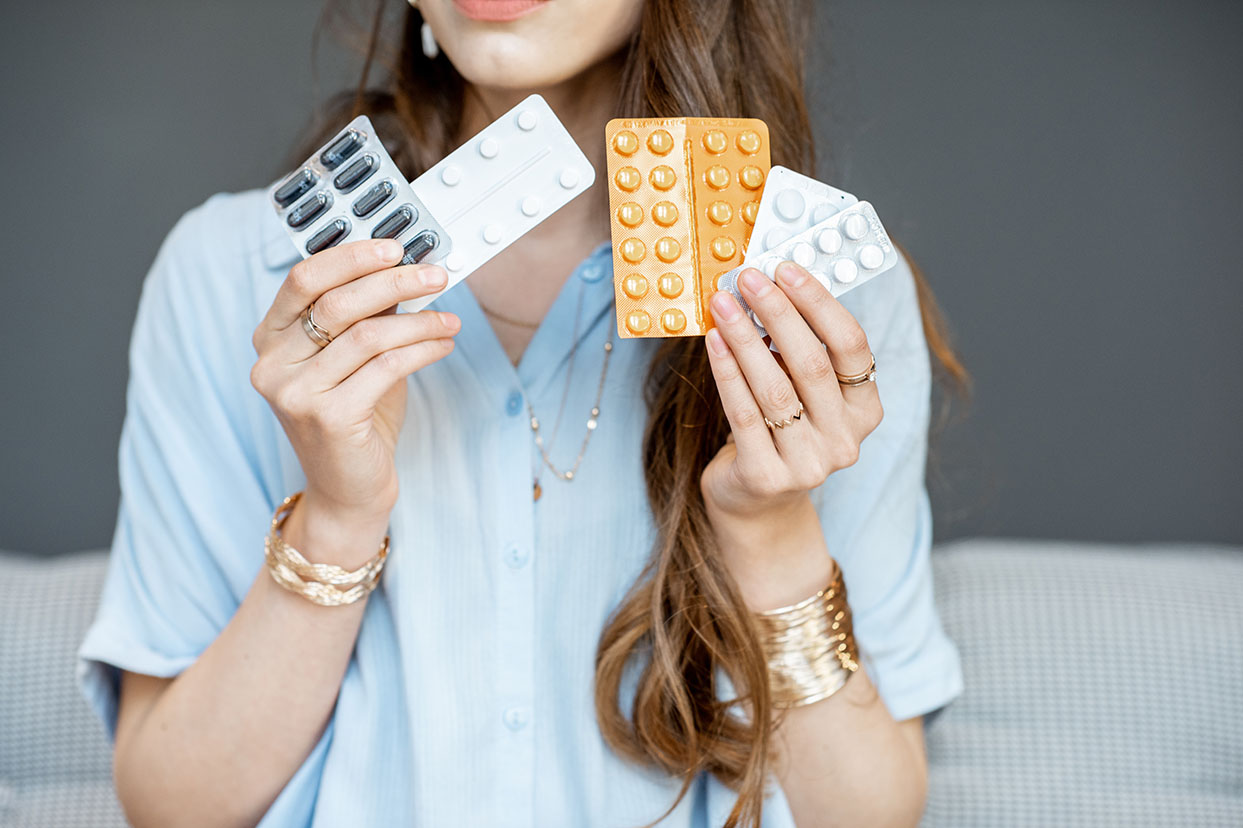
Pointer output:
196, 460
876, 515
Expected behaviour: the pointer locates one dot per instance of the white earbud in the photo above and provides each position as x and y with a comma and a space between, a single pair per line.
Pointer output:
430, 47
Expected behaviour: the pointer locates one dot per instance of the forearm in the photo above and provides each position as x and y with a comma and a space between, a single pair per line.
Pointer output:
218, 743
842, 760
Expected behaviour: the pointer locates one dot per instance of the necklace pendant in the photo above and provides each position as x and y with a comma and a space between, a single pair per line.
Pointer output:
536, 491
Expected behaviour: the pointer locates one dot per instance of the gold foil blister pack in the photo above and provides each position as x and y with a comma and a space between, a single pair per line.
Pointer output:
684, 193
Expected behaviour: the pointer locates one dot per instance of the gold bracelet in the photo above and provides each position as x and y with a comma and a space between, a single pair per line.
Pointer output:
809, 646
314, 581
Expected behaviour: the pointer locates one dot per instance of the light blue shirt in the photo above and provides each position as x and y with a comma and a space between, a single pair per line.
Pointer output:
468, 700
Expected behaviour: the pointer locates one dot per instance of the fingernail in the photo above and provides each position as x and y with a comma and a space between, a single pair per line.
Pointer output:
717, 342
388, 249
431, 276
725, 307
791, 274
450, 321
755, 282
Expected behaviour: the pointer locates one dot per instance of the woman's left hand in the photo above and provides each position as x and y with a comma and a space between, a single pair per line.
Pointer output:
760, 478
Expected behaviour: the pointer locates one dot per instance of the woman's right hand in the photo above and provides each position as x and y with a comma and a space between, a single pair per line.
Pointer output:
342, 405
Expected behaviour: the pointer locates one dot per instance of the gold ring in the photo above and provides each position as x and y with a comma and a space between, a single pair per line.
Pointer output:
317, 334
797, 415
859, 379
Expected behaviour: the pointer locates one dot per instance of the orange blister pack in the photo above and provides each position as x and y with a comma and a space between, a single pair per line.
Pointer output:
683, 193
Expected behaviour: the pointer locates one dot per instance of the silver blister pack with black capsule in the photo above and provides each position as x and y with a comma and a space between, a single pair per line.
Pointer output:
350, 189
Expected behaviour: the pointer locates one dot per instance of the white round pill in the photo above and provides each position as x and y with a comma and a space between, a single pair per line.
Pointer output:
488, 148
871, 256
492, 233
845, 270
527, 120
829, 240
825, 211
454, 262
530, 206
451, 175
569, 178
789, 204
803, 254
769, 266
775, 236
855, 227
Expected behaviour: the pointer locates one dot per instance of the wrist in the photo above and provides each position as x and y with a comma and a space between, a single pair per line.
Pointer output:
324, 533
776, 558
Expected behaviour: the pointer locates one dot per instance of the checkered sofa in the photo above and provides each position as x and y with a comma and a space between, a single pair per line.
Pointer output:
1104, 687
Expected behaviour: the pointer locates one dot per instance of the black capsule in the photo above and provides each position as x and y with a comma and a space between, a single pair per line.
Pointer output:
308, 210
396, 222
341, 149
332, 233
373, 199
418, 247
356, 173
297, 186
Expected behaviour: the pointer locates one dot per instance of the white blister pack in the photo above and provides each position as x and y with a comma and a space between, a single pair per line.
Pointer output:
791, 203
350, 189
844, 251
488, 192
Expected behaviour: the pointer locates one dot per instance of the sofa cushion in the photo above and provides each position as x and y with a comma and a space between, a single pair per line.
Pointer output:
55, 761
1104, 686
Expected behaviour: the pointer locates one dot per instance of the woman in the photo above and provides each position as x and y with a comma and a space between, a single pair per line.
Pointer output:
545, 648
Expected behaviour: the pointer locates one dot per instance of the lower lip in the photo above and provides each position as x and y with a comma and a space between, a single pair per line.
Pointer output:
497, 11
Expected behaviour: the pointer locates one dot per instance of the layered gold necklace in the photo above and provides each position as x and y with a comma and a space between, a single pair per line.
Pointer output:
593, 419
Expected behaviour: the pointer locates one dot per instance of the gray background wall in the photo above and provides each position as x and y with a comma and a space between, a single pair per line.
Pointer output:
1067, 173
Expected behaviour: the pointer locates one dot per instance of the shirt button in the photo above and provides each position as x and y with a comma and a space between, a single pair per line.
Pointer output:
516, 718
517, 557
514, 403
591, 273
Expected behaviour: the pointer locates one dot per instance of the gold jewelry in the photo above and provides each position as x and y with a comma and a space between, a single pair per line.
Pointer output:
593, 421
797, 415
317, 334
810, 646
859, 379
314, 581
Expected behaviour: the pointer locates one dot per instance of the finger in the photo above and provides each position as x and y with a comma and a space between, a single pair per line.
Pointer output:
369, 337
836, 327
339, 308
370, 382
803, 355
770, 386
746, 422
311, 278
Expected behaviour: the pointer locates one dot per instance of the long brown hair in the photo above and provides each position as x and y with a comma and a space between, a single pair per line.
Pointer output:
684, 621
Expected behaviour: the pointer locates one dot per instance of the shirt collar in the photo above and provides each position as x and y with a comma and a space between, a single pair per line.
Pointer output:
277, 250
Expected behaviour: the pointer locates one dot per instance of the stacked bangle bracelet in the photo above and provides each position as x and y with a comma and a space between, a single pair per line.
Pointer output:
809, 646
324, 584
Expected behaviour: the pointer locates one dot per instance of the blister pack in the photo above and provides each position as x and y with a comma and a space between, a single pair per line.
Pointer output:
474, 203
515, 173
350, 189
791, 203
683, 193
844, 251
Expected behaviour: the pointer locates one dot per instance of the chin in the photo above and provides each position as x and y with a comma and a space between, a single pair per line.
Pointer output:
549, 43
